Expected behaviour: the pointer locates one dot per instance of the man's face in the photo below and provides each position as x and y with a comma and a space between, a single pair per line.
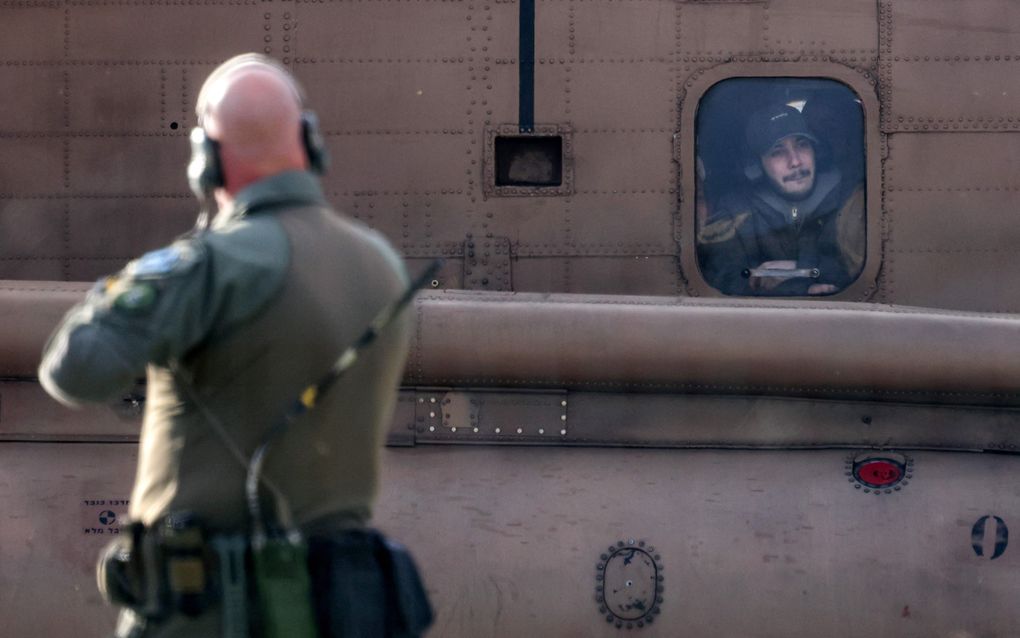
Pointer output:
790, 166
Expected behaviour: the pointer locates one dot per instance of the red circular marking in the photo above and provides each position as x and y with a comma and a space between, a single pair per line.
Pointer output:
879, 473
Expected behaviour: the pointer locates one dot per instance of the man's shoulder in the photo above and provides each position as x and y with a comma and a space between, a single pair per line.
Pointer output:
730, 214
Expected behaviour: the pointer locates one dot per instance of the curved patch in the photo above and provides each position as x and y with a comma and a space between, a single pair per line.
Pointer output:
978, 533
628, 584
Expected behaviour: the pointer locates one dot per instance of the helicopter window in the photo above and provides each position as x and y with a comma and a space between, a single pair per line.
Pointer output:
529, 161
780, 192
532, 163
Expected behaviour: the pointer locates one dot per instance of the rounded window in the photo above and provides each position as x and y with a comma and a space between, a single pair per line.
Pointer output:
780, 186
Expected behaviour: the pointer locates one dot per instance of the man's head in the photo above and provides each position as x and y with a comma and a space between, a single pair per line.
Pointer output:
785, 147
251, 108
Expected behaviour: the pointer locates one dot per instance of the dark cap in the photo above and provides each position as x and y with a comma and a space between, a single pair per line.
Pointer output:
768, 126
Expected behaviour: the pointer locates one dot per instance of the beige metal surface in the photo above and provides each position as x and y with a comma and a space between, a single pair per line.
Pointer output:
509, 496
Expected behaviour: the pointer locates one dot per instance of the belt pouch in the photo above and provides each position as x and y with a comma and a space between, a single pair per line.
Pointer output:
408, 595
233, 584
284, 589
115, 574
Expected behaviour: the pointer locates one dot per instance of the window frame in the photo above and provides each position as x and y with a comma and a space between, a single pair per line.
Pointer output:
566, 186
695, 89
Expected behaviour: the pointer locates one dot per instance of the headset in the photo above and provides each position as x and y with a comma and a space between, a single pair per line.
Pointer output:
205, 170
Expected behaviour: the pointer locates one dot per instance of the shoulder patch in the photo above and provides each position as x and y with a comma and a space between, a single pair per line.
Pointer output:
137, 298
160, 263
722, 230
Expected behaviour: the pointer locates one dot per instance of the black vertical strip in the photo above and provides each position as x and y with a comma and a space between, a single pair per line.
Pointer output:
526, 99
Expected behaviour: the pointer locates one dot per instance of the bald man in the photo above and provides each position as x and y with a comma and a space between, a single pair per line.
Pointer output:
228, 325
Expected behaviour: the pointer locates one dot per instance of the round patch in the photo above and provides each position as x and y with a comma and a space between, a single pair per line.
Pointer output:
137, 299
628, 584
158, 262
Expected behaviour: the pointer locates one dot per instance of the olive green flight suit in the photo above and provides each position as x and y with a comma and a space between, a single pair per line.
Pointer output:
250, 312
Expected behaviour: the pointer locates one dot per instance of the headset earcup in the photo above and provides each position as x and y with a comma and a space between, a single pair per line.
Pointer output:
204, 172
314, 143
753, 171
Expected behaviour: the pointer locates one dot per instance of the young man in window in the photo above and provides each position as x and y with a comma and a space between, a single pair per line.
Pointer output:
795, 228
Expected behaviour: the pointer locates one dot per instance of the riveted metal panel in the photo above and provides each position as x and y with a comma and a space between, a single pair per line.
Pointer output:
965, 220
384, 162
966, 53
129, 165
487, 264
623, 275
419, 31
562, 131
541, 274
949, 28
605, 29
32, 228
951, 161
554, 20
32, 33
406, 218
532, 224
450, 275
953, 279
27, 413
496, 95
620, 95
835, 26
52, 497
641, 221
620, 159
420, 97
45, 268
468, 416
143, 32
973, 96
32, 165
766, 527
723, 28
99, 103
500, 38
131, 225
34, 98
